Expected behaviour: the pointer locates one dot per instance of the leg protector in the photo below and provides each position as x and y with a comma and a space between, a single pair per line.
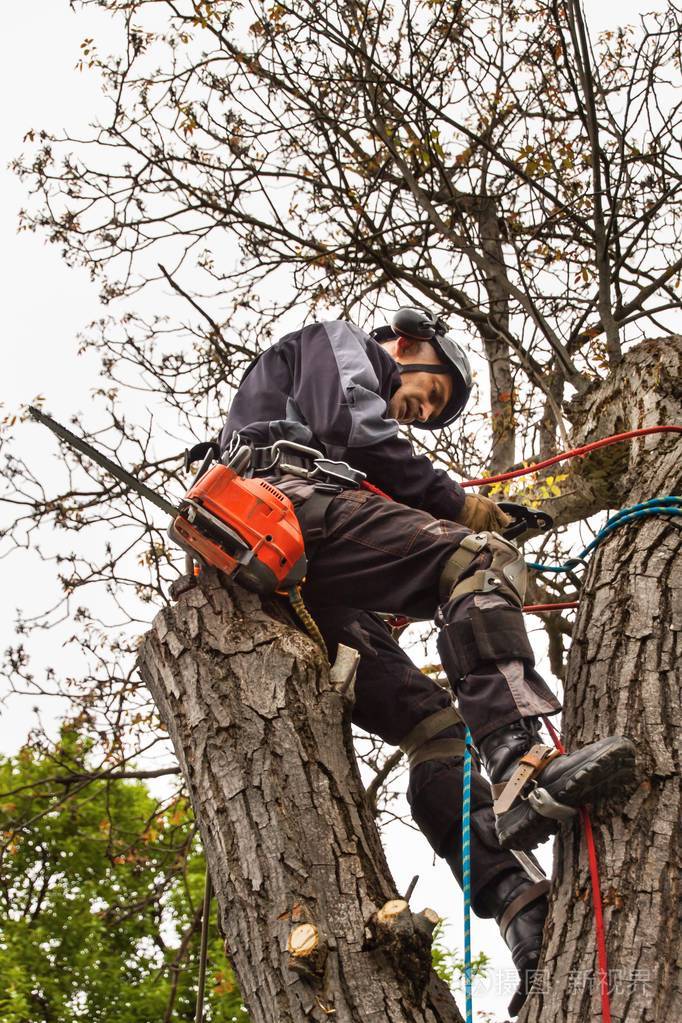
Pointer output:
486, 629
504, 572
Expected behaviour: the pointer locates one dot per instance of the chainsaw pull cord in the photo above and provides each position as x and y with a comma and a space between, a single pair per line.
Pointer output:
305, 617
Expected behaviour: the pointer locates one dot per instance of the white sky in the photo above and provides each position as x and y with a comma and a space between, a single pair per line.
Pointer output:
45, 304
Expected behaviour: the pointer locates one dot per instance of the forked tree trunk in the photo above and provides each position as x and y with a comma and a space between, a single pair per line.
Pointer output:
263, 738
625, 676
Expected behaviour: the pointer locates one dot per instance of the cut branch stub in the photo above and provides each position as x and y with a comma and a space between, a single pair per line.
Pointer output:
405, 938
307, 952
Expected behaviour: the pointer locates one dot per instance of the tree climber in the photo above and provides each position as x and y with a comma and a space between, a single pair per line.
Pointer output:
431, 553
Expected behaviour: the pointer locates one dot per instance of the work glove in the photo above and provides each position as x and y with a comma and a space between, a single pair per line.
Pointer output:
481, 513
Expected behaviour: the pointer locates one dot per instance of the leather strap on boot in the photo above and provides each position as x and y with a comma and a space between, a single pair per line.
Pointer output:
529, 767
528, 895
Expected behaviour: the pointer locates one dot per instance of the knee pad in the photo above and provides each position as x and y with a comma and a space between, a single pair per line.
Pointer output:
505, 572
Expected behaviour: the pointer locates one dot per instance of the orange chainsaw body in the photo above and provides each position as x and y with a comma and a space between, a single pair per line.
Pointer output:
244, 527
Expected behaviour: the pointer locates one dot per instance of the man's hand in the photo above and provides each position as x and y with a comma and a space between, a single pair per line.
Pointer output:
480, 512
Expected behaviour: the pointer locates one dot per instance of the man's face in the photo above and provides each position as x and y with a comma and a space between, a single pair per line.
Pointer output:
421, 396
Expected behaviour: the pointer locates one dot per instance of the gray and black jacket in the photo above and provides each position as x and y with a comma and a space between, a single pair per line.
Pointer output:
327, 386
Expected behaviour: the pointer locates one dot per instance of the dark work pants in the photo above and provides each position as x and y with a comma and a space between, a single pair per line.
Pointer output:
391, 697
378, 555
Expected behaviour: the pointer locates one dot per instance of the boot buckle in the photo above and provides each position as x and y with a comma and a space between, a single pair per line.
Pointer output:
530, 764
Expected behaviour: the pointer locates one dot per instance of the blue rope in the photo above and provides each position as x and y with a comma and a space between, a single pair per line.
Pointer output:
655, 506
466, 873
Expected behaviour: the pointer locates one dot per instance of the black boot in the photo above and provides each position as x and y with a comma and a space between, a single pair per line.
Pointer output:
520, 909
535, 793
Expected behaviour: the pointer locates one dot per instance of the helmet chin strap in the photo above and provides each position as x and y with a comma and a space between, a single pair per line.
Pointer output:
422, 367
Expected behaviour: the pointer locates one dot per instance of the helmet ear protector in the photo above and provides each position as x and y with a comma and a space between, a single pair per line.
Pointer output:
421, 325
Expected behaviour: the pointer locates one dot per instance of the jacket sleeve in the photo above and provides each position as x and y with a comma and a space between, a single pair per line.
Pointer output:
337, 392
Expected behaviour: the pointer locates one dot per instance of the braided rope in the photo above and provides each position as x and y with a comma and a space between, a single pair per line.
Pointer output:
466, 873
307, 620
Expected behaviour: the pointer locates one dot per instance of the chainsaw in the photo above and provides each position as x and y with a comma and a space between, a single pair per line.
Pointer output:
247, 528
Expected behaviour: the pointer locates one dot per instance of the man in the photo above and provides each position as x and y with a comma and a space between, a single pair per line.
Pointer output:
430, 553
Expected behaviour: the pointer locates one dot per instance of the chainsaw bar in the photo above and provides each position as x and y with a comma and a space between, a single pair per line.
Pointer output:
105, 463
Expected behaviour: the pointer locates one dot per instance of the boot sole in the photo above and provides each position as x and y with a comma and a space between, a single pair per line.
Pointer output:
613, 765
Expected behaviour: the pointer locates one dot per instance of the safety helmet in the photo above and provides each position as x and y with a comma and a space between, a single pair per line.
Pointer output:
421, 325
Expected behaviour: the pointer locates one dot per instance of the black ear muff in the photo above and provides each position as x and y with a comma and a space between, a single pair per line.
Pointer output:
414, 323
381, 334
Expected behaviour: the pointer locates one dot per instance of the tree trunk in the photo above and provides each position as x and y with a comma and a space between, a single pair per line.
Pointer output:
261, 730
624, 676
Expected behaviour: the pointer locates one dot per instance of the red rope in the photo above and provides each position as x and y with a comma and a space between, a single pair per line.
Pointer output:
374, 490
541, 608
596, 894
573, 453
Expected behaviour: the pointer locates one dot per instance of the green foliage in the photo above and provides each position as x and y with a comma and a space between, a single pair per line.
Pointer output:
448, 965
101, 893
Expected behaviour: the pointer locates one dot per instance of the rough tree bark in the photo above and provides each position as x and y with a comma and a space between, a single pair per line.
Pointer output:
310, 913
624, 676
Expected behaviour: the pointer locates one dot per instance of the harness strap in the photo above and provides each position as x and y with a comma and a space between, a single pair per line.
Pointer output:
459, 561
429, 728
438, 749
529, 766
311, 515
265, 460
531, 894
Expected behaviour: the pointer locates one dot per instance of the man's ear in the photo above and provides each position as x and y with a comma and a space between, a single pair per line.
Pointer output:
407, 346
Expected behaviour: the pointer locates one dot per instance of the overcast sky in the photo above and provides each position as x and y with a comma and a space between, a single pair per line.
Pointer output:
45, 304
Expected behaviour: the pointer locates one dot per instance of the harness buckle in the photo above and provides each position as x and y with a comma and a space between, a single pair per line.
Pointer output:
330, 471
286, 457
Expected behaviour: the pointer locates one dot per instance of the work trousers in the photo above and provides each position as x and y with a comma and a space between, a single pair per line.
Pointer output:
371, 555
